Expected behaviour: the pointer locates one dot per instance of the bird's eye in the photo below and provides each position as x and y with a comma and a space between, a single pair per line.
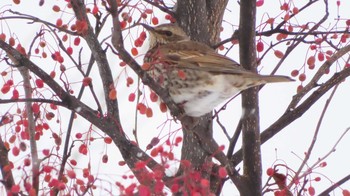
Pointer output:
167, 33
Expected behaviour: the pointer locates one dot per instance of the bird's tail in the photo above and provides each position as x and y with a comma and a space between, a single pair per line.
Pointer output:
272, 79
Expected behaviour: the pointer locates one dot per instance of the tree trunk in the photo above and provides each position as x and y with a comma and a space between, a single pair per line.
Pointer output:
250, 105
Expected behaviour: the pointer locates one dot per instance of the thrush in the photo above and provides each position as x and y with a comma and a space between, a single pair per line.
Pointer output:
196, 76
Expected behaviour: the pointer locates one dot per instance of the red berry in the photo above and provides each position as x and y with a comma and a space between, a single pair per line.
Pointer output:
134, 51
154, 152
94, 10
168, 17
56, 8
143, 15
153, 97
15, 188
311, 190
347, 22
222, 172
12, 41
311, 67
44, 55
108, 140
39, 83
52, 74
105, 158
155, 20
15, 94
36, 108
12, 139
70, 50
149, 112
311, 60
299, 88
270, 171
278, 54
77, 41
259, 3
59, 22
270, 21
142, 108
132, 97
73, 162
163, 107
65, 37
346, 192
143, 36
138, 42
112, 94
5, 89
294, 73
320, 56
3, 36
260, 46
285, 7
178, 140
295, 10
123, 24
87, 81
323, 164
15, 151
148, 11
129, 81
78, 135
71, 174
302, 77
122, 64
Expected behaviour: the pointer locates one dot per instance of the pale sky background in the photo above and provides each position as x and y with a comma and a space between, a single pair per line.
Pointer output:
274, 99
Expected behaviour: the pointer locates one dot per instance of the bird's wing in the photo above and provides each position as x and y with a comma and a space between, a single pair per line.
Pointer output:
195, 55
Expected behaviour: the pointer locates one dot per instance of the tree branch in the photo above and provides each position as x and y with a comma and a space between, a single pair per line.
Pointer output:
291, 115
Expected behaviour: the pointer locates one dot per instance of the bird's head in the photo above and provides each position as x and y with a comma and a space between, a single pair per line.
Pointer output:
165, 33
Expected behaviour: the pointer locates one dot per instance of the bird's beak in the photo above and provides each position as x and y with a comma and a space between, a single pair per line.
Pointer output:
147, 27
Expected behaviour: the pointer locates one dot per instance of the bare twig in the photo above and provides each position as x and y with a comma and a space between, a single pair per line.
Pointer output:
7, 177
314, 138
291, 115
31, 127
161, 8
317, 76
335, 185
35, 19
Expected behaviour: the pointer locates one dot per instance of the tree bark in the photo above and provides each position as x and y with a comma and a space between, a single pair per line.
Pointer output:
250, 104
201, 20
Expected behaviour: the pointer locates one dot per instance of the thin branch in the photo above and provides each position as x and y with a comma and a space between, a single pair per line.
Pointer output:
333, 149
35, 19
234, 139
298, 41
31, 128
7, 177
161, 8
39, 100
117, 41
335, 185
314, 138
313, 82
293, 114
103, 123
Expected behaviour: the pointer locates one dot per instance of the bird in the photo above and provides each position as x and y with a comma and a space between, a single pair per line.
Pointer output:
197, 78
